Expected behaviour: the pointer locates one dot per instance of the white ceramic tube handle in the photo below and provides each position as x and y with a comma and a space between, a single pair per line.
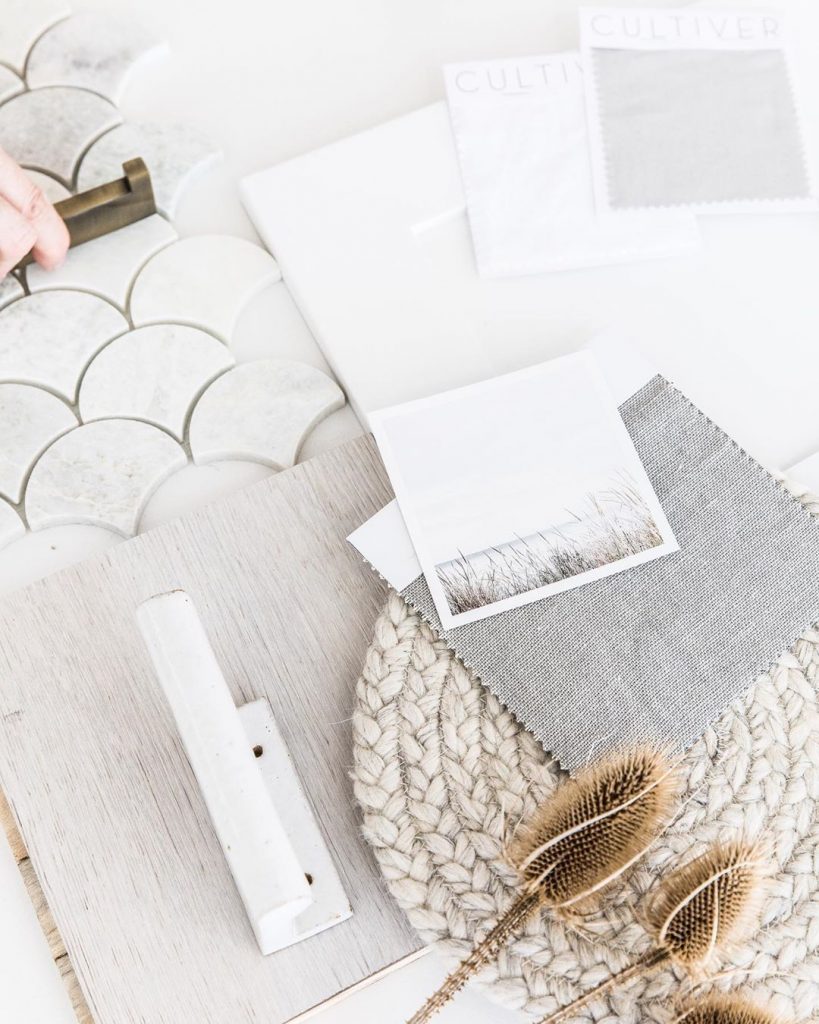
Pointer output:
266, 870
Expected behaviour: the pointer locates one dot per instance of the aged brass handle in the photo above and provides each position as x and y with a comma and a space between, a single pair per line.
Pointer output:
106, 208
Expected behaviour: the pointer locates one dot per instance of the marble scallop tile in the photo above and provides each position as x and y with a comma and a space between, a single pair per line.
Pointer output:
107, 266
153, 373
204, 280
21, 22
27, 127
48, 339
91, 50
11, 525
30, 419
51, 188
10, 83
174, 153
261, 412
10, 289
101, 474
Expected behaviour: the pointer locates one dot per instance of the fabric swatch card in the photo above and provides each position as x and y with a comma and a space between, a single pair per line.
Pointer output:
521, 135
693, 109
658, 652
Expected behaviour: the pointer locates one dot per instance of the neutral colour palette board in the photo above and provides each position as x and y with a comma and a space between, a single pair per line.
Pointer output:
119, 836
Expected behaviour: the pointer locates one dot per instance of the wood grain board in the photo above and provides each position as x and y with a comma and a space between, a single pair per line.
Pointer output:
8, 826
106, 801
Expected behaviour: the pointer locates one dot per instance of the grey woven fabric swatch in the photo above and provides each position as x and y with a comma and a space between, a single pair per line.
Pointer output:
659, 651
698, 126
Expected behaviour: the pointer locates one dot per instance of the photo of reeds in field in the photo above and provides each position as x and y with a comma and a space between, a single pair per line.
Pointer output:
609, 525
521, 487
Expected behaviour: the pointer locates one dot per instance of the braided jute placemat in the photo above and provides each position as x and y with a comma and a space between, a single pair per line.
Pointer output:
443, 773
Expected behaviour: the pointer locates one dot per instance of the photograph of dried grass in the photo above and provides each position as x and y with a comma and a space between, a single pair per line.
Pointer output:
520, 487
610, 525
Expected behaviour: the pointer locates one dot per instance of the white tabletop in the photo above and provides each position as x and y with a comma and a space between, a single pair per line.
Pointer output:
271, 80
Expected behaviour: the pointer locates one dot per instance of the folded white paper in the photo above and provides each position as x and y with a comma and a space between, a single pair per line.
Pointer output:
521, 135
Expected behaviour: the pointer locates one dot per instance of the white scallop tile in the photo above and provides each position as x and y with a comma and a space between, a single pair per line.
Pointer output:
10, 289
107, 266
28, 127
174, 153
10, 84
52, 189
11, 525
261, 412
102, 474
30, 419
204, 280
22, 21
50, 338
91, 50
153, 373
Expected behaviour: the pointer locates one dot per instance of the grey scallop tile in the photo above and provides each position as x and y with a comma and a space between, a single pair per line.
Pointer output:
175, 155
28, 127
30, 419
153, 373
261, 412
101, 474
22, 21
49, 339
204, 281
52, 189
10, 83
91, 50
10, 289
11, 525
107, 266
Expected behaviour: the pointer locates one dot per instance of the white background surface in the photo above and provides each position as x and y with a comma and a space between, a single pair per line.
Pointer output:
271, 80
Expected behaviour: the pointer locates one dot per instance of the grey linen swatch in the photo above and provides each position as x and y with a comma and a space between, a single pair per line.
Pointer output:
701, 126
657, 652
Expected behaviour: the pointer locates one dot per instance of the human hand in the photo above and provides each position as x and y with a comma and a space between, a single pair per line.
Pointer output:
28, 221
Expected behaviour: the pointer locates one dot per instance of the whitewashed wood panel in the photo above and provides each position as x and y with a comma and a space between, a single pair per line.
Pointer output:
107, 803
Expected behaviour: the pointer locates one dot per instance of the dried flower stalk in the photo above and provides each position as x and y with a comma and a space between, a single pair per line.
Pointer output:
593, 828
702, 908
726, 1009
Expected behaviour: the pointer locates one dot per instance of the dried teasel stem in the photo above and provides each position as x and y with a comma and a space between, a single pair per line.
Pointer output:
701, 909
726, 1009
591, 830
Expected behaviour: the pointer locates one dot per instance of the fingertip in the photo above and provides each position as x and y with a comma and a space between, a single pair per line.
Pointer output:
51, 254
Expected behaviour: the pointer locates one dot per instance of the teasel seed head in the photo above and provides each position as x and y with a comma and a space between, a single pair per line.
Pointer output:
711, 902
595, 826
726, 1009
584, 836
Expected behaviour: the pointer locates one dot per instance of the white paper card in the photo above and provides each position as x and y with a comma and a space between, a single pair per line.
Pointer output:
521, 136
383, 540
520, 487
695, 110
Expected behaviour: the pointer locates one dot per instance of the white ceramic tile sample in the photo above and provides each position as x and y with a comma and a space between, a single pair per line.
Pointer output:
22, 22
52, 189
10, 83
107, 266
27, 127
204, 280
11, 525
174, 153
153, 373
49, 339
261, 412
90, 51
10, 289
102, 474
30, 419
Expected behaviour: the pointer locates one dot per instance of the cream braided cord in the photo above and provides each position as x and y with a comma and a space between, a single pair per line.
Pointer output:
443, 773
